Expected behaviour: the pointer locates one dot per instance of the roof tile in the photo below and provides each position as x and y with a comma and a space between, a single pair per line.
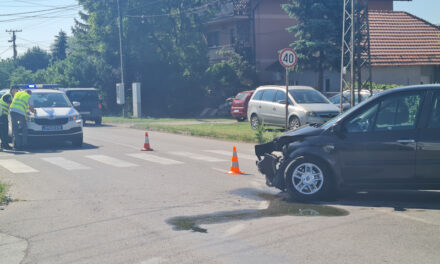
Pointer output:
399, 38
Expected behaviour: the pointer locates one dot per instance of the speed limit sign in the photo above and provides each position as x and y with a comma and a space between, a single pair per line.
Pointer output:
288, 58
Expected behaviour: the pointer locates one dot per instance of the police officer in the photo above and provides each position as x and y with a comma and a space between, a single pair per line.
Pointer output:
5, 102
18, 111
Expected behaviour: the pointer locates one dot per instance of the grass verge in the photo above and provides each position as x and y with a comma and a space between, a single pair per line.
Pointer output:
225, 129
3, 191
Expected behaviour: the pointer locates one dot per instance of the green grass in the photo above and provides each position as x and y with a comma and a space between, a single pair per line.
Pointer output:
3, 191
225, 129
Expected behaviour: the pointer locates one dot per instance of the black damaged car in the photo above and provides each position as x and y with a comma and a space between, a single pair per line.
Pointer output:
391, 141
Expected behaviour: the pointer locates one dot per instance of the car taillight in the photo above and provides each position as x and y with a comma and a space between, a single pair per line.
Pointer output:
100, 106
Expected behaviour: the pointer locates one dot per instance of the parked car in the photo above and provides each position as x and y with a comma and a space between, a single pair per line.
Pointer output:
90, 106
346, 99
55, 119
240, 105
306, 106
391, 140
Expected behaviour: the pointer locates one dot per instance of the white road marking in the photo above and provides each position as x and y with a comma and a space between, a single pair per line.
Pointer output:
111, 161
196, 156
16, 166
229, 153
65, 163
154, 158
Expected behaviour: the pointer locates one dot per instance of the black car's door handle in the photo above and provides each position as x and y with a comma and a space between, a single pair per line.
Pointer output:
406, 141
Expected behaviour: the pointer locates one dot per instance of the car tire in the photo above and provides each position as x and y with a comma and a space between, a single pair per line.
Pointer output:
255, 121
98, 121
309, 179
294, 123
241, 119
77, 141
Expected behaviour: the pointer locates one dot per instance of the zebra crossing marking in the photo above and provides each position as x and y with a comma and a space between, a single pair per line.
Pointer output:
16, 166
196, 156
155, 159
111, 161
229, 153
65, 163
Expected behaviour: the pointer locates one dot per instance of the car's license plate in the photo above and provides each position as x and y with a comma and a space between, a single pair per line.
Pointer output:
52, 128
236, 111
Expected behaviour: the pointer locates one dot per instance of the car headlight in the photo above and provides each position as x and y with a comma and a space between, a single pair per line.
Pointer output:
74, 117
311, 114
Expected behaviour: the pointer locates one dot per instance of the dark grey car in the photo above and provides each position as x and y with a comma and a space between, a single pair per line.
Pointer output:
391, 140
90, 106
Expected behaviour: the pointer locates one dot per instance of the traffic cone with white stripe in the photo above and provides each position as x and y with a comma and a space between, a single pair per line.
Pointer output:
146, 144
235, 168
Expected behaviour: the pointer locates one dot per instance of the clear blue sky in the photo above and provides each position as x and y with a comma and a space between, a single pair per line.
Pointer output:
40, 28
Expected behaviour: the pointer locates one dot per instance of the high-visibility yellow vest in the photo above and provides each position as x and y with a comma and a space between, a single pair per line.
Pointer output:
4, 106
20, 103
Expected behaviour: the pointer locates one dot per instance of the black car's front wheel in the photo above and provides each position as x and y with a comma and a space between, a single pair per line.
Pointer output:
308, 179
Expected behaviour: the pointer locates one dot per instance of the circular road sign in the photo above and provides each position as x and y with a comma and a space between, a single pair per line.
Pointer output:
288, 58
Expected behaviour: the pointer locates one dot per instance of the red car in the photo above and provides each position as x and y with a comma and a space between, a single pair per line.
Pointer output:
240, 105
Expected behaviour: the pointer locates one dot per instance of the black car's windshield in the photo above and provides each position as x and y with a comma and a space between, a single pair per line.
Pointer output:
334, 120
49, 100
81, 96
308, 97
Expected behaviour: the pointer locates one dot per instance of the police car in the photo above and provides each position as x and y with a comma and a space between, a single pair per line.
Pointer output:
55, 117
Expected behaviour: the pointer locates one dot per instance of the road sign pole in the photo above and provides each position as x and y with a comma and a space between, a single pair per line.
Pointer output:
287, 99
288, 60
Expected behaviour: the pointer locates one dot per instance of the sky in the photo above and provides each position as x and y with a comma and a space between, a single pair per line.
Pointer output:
43, 19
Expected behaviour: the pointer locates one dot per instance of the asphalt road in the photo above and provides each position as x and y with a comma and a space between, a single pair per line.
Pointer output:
108, 202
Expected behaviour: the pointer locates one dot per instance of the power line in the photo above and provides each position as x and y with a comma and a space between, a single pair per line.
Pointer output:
40, 11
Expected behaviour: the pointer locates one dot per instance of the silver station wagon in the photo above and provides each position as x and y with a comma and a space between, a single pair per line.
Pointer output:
306, 106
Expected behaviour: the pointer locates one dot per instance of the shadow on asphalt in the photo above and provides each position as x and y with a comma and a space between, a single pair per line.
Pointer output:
400, 200
50, 147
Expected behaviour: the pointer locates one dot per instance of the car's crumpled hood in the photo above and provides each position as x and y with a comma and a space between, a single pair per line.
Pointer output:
48, 112
289, 137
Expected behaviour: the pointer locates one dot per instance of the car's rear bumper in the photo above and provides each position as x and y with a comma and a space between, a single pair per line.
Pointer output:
238, 112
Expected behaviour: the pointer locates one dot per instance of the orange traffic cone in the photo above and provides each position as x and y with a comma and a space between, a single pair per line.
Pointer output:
235, 168
146, 144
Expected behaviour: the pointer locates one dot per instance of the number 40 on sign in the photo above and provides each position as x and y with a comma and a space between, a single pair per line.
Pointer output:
288, 58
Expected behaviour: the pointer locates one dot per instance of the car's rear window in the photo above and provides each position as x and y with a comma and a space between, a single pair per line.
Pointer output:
308, 97
241, 96
81, 96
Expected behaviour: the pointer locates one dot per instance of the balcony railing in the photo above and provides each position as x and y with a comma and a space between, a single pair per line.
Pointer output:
234, 8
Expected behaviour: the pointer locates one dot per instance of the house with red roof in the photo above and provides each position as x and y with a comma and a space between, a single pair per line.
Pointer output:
404, 48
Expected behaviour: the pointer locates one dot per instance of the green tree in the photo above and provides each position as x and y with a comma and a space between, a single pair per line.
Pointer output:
34, 59
60, 46
317, 34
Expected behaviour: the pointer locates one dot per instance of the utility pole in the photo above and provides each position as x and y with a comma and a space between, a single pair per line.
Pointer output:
14, 38
356, 54
120, 52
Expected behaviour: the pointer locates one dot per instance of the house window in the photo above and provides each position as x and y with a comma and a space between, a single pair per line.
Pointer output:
213, 39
